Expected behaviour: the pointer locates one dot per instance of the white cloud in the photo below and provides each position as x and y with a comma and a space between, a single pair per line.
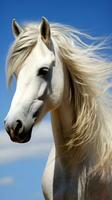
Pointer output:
38, 146
6, 181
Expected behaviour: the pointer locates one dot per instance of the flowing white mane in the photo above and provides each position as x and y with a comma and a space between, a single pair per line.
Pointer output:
89, 86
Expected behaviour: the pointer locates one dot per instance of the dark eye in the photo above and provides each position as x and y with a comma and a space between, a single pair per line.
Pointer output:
43, 71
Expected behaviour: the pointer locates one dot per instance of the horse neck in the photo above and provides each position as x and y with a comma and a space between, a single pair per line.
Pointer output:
62, 119
62, 122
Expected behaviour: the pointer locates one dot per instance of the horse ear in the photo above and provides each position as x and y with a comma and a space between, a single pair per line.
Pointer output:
45, 31
16, 28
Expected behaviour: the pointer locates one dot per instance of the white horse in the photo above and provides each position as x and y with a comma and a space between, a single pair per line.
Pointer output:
56, 71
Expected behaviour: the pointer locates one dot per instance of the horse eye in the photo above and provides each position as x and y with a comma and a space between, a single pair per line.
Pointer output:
43, 71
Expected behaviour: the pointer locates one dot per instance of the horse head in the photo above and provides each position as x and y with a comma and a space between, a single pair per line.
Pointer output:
39, 81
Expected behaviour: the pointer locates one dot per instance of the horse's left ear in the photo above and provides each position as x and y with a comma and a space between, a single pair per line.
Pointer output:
45, 31
16, 28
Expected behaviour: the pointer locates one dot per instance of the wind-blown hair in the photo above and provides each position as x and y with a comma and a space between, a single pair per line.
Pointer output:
89, 85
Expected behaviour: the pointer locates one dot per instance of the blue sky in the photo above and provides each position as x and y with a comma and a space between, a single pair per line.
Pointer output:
21, 166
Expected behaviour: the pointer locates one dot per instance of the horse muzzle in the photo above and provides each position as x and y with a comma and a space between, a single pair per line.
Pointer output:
16, 131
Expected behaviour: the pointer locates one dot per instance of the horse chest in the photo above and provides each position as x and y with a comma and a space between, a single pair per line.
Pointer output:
58, 185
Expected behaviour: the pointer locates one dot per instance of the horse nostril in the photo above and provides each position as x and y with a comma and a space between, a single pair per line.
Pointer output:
18, 128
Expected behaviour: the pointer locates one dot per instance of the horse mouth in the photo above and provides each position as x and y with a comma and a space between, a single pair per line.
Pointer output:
23, 138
